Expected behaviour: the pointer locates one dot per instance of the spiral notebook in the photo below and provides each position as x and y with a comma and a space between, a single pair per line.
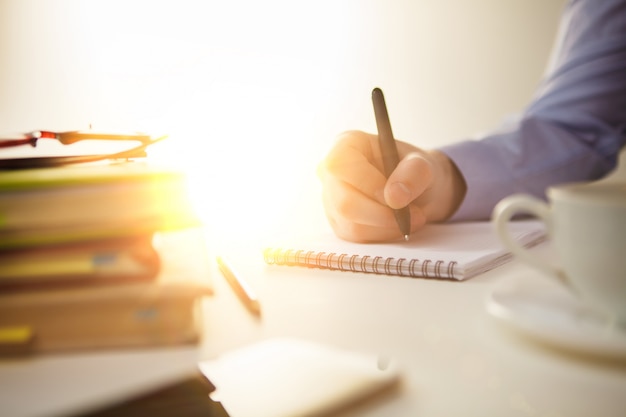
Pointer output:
450, 251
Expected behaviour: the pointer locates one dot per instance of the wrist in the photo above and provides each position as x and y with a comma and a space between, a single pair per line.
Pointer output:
451, 187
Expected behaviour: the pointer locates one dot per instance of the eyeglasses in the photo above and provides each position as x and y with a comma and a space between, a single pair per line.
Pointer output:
68, 138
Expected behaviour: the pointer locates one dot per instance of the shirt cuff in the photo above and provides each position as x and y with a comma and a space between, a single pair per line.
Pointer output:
486, 177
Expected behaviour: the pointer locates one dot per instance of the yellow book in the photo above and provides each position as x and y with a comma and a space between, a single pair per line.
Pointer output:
89, 263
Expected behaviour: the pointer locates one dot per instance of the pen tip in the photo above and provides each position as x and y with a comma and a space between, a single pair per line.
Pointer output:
406, 238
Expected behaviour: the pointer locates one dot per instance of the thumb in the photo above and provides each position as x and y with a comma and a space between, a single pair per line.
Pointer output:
409, 180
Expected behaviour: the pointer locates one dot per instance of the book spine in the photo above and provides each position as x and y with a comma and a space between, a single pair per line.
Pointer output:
146, 316
90, 263
412, 268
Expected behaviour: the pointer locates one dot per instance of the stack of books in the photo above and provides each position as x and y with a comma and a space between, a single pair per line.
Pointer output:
96, 256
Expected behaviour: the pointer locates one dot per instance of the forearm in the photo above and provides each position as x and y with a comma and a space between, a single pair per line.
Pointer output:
529, 159
574, 128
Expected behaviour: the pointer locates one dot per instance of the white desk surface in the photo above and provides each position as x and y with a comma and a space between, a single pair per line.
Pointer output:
455, 358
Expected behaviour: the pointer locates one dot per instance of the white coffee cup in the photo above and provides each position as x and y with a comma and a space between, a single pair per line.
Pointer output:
586, 224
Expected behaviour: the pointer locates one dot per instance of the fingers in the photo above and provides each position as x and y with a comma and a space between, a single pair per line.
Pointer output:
344, 202
355, 217
386, 229
352, 161
411, 178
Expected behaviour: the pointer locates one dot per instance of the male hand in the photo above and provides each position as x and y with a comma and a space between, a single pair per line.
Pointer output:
359, 200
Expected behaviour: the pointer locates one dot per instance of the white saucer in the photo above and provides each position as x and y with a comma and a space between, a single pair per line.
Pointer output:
542, 309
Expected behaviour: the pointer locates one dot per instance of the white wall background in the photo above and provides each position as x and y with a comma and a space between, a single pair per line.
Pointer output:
263, 87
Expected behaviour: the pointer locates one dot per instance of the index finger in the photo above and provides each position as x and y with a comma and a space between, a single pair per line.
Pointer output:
353, 161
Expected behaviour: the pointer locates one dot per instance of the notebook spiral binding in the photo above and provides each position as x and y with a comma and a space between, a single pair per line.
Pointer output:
413, 268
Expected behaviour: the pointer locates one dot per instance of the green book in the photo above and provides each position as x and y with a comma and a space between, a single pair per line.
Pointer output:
65, 204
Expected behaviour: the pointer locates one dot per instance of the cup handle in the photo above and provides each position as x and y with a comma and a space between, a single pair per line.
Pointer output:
520, 203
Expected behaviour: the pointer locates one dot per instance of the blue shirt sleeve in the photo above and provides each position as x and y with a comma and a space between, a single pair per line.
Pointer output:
575, 126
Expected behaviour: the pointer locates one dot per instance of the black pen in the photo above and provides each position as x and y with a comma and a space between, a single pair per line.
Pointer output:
389, 153
240, 288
